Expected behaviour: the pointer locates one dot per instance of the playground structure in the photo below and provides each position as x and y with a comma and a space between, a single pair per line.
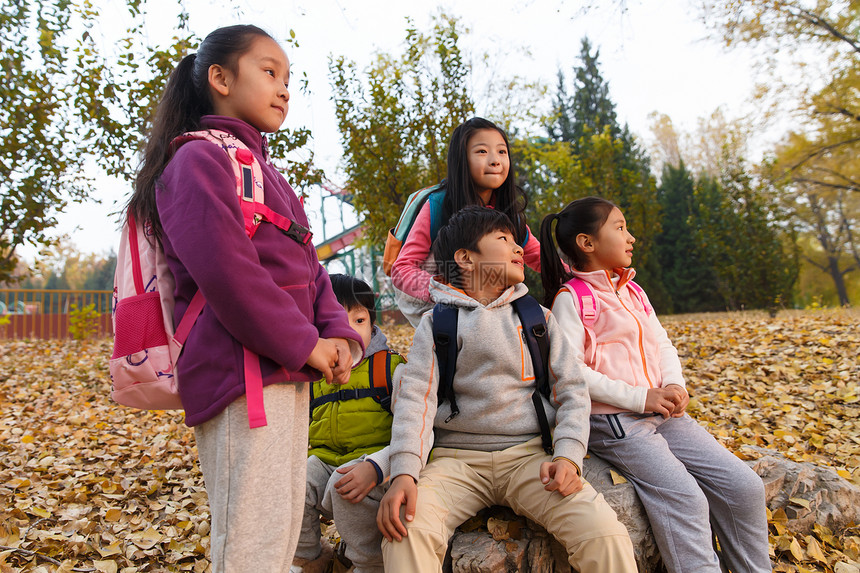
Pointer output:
338, 251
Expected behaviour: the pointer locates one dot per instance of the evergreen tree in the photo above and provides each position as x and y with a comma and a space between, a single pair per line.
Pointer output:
747, 246
611, 163
690, 281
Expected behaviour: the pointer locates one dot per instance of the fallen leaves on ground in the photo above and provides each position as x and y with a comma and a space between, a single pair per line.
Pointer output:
87, 485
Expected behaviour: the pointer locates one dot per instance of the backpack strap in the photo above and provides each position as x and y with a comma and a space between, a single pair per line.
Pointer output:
640, 294
534, 328
589, 307
410, 210
379, 370
249, 184
436, 200
380, 376
445, 340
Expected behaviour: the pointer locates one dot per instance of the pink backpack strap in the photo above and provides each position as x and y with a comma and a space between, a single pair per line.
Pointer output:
246, 169
588, 303
589, 307
249, 189
640, 294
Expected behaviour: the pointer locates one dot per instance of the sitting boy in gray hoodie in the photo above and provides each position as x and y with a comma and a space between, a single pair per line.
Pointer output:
491, 452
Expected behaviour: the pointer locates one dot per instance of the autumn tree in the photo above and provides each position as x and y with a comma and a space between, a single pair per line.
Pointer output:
825, 206
66, 101
395, 120
816, 163
41, 162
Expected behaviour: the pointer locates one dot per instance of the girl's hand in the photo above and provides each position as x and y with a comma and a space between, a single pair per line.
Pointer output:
343, 368
560, 476
324, 357
357, 482
402, 491
661, 401
681, 402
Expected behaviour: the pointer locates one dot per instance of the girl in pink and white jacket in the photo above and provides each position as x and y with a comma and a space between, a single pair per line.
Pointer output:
685, 479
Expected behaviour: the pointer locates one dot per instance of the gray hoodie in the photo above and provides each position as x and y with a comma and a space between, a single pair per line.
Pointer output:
494, 382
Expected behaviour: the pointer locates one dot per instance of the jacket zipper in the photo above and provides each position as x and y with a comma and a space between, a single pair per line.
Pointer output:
638, 325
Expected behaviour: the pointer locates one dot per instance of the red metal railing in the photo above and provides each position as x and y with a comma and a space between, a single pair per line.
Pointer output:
44, 313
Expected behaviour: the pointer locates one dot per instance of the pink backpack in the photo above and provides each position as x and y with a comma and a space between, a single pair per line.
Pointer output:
589, 305
146, 347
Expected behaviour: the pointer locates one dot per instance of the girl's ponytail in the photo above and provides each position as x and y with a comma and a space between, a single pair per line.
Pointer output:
552, 272
186, 99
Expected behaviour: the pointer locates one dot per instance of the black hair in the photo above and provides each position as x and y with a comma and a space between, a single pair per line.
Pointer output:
460, 189
586, 215
463, 231
185, 100
352, 292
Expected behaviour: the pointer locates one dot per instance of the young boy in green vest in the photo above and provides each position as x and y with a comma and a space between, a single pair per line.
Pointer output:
350, 430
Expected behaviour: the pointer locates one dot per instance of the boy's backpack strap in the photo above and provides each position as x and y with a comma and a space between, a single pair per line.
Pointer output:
379, 370
640, 294
445, 340
534, 328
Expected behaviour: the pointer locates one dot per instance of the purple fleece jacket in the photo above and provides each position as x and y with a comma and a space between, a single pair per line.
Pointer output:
269, 294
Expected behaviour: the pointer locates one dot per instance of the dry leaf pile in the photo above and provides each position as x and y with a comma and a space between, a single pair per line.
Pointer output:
86, 485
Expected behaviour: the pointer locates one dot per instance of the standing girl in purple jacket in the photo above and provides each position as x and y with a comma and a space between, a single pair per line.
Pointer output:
267, 297
686, 480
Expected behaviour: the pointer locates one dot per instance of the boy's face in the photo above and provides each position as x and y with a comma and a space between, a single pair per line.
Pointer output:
497, 264
359, 320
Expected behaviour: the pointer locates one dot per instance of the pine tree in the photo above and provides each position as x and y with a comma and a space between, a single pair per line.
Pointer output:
690, 281
612, 164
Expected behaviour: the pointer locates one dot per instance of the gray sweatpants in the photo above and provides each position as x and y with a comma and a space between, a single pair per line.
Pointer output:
355, 522
687, 482
255, 480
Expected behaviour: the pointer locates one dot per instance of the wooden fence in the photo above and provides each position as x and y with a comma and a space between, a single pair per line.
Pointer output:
43, 313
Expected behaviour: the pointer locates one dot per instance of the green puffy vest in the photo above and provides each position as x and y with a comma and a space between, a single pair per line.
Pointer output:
342, 430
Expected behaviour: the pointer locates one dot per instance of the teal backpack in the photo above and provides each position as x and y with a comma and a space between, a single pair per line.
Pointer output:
435, 194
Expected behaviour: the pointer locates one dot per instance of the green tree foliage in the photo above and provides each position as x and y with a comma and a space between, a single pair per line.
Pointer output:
117, 96
589, 110
589, 153
741, 236
395, 120
690, 280
66, 99
41, 163
816, 165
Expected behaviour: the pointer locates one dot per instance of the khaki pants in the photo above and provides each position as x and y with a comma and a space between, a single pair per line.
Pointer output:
456, 484
255, 480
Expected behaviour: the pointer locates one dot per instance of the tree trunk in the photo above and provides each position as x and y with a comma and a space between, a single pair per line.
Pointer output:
838, 281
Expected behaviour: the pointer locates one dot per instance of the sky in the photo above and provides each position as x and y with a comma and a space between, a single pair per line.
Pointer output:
655, 56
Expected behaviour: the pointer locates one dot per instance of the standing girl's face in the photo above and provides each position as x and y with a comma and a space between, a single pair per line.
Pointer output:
489, 162
612, 248
257, 92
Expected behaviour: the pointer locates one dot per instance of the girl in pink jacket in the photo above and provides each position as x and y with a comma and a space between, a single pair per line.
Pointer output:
480, 172
686, 480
